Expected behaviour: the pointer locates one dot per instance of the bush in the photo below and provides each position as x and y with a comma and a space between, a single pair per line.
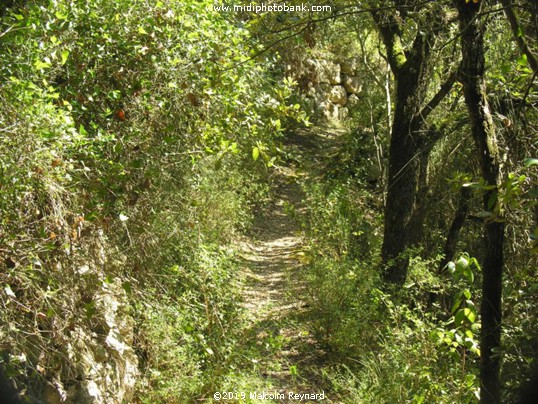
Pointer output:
135, 138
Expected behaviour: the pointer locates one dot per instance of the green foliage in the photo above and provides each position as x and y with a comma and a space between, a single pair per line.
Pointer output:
385, 347
127, 159
412, 365
136, 136
189, 325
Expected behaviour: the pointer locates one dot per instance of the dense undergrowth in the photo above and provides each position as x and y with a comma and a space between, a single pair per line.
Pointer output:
419, 343
135, 139
120, 121
384, 345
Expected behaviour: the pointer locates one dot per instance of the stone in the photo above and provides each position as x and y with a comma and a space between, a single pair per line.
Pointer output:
352, 101
331, 112
352, 85
349, 66
329, 72
311, 64
338, 95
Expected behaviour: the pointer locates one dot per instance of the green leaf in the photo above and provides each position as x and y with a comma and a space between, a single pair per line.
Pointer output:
461, 264
42, 65
451, 267
469, 314
474, 262
60, 16
141, 30
90, 309
468, 273
255, 153
455, 307
475, 327
459, 318
127, 287
65, 55
522, 60
530, 162
469, 343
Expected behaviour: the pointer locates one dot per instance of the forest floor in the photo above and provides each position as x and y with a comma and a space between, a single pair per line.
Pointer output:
285, 355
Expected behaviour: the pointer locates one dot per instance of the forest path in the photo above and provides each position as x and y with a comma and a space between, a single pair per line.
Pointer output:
284, 353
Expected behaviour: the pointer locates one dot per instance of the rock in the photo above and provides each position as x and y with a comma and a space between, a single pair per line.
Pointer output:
103, 370
329, 72
311, 64
317, 94
349, 66
324, 88
331, 112
352, 101
53, 394
352, 85
310, 71
338, 95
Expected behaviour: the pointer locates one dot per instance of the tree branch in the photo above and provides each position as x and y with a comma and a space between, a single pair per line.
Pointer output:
441, 94
518, 36
390, 31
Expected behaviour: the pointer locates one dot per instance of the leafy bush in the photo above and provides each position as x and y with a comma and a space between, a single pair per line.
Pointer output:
127, 144
342, 231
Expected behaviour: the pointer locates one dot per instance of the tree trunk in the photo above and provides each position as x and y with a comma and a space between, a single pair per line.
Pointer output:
518, 35
454, 232
483, 130
403, 179
409, 143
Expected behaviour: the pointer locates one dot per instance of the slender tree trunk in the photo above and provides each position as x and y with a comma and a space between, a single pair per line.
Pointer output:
403, 179
474, 87
451, 242
454, 232
518, 35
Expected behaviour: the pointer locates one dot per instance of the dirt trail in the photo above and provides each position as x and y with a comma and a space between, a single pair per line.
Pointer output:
287, 353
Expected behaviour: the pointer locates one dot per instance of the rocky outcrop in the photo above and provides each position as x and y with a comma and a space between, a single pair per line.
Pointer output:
329, 72
352, 101
333, 87
97, 363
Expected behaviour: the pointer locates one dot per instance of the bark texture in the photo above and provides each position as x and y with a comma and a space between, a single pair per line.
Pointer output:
483, 130
411, 141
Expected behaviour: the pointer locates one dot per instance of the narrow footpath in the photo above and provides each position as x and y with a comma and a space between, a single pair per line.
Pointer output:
287, 356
